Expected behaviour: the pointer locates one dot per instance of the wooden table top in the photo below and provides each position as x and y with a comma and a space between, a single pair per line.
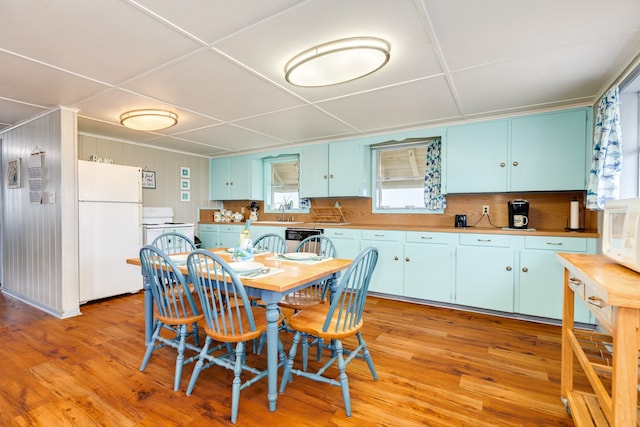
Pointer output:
293, 275
621, 284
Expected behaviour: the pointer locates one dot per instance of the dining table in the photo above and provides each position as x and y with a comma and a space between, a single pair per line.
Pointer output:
281, 275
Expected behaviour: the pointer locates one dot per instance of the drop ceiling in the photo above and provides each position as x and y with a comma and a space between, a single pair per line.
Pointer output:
219, 64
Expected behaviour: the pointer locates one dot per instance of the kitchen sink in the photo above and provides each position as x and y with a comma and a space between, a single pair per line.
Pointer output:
276, 222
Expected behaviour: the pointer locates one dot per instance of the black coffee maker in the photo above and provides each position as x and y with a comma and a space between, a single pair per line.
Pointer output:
518, 213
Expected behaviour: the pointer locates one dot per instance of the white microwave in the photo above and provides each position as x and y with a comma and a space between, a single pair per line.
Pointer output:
621, 232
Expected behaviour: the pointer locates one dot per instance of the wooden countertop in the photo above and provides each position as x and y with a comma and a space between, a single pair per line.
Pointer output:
427, 228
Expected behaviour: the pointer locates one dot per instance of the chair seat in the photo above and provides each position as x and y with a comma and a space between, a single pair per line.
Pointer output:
311, 320
180, 321
259, 318
300, 300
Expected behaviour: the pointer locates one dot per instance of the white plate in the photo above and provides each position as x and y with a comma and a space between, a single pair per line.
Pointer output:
231, 250
300, 255
245, 266
179, 258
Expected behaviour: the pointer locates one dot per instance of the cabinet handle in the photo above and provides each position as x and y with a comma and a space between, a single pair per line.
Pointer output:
502, 164
554, 243
575, 281
508, 268
525, 269
407, 259
593, 300
395, 258
231, 183
483, 240
378, 235
426, 238
515, 163
331, 176
226, 183
337, 234
324, 177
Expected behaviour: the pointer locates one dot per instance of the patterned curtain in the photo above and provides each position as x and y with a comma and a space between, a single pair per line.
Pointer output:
606, 160
433, 198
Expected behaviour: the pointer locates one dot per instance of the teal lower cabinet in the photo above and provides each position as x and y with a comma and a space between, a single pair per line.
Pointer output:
541, 276
229, 235
261, 230
345, 240
485, 271
388, 275
208, 235
429, 267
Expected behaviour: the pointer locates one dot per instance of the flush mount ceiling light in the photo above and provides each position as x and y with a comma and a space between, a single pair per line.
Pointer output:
148, 119
337, 62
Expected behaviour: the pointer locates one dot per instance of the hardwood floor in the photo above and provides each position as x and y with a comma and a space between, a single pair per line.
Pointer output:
437, 367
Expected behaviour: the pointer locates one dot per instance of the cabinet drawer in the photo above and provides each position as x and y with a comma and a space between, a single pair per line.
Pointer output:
560, 244
340, 233
230, 228
577, 286
596, 299
432, 238
208, 227
385, 235
494, 240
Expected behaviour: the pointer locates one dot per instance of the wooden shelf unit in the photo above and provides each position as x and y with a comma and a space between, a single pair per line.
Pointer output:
612, 293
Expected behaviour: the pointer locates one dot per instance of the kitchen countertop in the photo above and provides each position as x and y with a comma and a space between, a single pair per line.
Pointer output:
429, 228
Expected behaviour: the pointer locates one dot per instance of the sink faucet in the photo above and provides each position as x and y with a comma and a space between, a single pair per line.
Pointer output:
282, 208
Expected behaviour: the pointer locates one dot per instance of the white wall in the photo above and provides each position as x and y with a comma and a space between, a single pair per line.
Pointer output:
167, 166
40, 241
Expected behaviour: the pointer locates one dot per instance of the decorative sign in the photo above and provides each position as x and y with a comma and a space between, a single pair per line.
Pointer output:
94, 158
185, 184
13, 174
185, 172
148, 179
185, 196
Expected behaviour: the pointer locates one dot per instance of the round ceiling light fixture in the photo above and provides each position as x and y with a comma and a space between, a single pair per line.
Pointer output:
148, 119
338, 61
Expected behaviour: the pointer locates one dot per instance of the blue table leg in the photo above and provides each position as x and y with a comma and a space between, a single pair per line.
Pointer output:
148, 311
273, 315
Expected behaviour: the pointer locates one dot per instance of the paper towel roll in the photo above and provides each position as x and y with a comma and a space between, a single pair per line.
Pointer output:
574, 215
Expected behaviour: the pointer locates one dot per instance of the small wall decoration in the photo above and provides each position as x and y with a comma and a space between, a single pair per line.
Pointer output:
185, 196
185, 172
185, 184
148, 179
13, 174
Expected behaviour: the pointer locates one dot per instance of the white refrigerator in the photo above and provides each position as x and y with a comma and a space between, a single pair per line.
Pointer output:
110, 229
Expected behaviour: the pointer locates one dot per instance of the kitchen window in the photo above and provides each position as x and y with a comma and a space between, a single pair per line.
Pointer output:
282, 185
403, 175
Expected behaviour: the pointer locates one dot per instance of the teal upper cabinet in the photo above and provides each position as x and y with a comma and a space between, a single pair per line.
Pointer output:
476, 157
549, 151
339, 169
235, 178
542, 152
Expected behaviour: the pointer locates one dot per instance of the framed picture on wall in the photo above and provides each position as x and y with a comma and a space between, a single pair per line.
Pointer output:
185, 196
13, 174
185, 172
185, 184
148, 179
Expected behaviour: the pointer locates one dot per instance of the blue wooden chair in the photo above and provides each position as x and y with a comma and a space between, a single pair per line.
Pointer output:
229, 318
270, 242
174, 243
175, 308
312, 295
334, 322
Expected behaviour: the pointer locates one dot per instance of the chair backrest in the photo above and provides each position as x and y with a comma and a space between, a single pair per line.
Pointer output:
318, 244
171, 294
270, 242
224, 301
347, 302
174, 243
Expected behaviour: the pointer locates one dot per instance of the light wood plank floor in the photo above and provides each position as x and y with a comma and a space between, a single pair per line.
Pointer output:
437, 367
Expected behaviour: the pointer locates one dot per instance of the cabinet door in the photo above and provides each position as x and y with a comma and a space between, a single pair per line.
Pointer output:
428, 271
347, 177
229, 235
219, 188
208, 234
484, 277
239, 178
548, 152
388, 274
541, 283
476, 157
314, 166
